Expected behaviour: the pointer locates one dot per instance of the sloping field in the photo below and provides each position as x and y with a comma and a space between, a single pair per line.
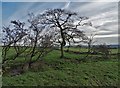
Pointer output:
68, 72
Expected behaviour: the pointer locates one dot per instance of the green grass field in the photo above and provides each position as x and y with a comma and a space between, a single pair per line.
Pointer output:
74, 70
0, 54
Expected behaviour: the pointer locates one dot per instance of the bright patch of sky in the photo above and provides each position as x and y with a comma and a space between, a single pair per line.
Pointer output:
103, 14
0, 13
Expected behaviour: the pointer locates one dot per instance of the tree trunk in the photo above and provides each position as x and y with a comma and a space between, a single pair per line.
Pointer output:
32, 54
89, 48
63, 38
34, 47
61, 48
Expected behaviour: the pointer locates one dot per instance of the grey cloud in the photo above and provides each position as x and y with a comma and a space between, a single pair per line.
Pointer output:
107, 40
103, 16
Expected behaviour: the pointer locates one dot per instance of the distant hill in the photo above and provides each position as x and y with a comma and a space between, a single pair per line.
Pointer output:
110, 46
114, 46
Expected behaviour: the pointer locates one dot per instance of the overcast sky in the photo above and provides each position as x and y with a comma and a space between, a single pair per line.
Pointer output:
103, 14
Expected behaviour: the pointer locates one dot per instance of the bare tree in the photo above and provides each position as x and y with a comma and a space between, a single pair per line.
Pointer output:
39, 40
13, 38
103, 49
20, 37
28, 41
90, 42
65, 25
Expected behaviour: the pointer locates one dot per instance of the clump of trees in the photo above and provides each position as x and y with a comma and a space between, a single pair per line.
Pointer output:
65, 26
25, 42
102, 49
13, 38
54, 27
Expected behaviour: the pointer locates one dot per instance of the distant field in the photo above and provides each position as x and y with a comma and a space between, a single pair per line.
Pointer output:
0, 49
74, 70
0, 54
114, 50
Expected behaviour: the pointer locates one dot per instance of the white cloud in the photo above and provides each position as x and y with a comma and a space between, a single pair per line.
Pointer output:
103, 15
0, 21
60, 0
103, 36
66, 5
105, 0
35, 0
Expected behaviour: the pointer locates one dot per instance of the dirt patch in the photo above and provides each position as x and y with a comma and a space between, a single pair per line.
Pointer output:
17, 70
36, 66
77, 61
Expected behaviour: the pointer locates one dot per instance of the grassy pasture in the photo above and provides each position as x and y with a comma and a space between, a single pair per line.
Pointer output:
73, 70
0, 54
